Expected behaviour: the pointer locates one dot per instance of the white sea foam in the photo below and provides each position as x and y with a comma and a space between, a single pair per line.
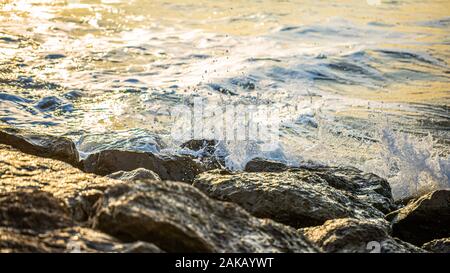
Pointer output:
410, 164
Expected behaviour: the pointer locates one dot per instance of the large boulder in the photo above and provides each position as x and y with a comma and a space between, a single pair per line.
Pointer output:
33, 209
33, 143
179, 218
32, 220
77, 190
71, 239
168, 167
423, 219
368, 187
356, 236
298, 198
438, 245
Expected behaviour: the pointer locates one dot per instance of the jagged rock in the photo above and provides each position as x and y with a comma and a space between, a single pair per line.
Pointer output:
297, 198
423, 219
265, 165
179, 218
33, 209
438, 245
356, 236
175, 167
72, 239
78, 190
368, 187
138, 174
59, 148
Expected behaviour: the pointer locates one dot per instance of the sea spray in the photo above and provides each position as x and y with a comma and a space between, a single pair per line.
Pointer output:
409, 164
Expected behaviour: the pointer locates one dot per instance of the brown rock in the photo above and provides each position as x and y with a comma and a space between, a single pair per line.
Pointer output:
297, 198
33, 209
138, 174
368, 187
178, 168
73, 239
77, 190
179, 218
59, 148
356, 236
265, 165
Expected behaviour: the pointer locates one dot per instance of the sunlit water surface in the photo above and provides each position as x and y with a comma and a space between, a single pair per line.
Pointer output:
370, 79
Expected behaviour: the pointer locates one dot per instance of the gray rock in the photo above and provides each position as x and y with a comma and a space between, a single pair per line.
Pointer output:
42, 145
356, 236
72, 239
179, 218
138, 174
297, 198
423, 219
438, 245
176, 167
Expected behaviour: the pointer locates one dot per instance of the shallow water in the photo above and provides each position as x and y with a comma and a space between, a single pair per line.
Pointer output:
362, 83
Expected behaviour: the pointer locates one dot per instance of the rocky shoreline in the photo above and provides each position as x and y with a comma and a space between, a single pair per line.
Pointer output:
121, 201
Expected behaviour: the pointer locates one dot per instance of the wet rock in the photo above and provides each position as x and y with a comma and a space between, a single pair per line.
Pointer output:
179, 218
73, 239
206, 145
179, 168
438, 245
265, 165
356, 236
59, 148
41, 202
33, 209
206, 153
77, 190
367, 187
297, 198
423, 219
138, 174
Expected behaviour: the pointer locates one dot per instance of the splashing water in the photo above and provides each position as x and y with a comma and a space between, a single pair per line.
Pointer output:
410, 165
